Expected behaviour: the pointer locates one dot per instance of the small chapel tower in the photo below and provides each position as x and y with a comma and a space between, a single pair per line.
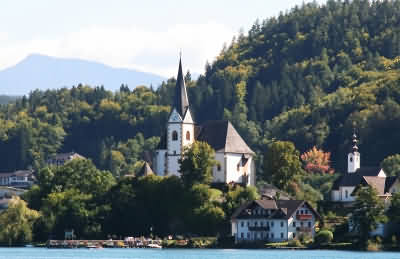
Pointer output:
353, 158
180, 127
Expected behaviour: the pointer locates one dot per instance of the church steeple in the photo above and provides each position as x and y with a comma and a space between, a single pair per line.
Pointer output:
353, 158
181, 102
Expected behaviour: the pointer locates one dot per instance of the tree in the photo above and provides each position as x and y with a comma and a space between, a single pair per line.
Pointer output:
237, 196
197, 163
393, 212
368, 212
391, 165
317, 161
281, 163
16, 222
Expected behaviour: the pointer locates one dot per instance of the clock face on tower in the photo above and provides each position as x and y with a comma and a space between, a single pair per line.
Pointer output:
175, 117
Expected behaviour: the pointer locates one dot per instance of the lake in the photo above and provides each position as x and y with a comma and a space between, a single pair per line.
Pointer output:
137, 253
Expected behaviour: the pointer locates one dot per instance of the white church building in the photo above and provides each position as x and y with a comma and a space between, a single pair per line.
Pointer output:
236, 164
344, 187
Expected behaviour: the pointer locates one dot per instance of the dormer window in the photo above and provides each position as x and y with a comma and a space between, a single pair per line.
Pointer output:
174, 135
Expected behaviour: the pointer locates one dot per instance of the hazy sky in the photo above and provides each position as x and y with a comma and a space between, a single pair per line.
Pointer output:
146, 34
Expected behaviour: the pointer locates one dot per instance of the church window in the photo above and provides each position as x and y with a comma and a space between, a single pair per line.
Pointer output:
351, 159
174, 135
187, 135
219, 167
238, 167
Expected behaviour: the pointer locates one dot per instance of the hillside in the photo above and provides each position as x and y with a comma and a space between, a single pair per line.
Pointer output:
299, 60
308, 76
44, 72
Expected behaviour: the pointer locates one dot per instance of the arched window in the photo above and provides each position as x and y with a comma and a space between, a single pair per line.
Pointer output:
187, 135
219, 167
174, 135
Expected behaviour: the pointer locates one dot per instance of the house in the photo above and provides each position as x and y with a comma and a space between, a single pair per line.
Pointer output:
235, 158
6, 195
20, 179
60, 159
344, 187
273, 220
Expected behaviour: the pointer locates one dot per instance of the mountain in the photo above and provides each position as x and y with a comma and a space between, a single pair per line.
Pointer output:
44, 72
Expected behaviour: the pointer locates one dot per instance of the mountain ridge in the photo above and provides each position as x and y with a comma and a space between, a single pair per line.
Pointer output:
43, 72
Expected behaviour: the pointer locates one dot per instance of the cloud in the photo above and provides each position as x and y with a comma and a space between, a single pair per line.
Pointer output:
131, 47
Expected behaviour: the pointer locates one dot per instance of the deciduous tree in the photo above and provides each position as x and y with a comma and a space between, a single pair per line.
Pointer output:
197, 164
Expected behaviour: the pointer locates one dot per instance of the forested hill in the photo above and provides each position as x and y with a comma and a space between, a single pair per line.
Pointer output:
307, 76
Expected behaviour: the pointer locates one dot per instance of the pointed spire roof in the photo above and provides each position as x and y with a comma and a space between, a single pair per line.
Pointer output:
181, 102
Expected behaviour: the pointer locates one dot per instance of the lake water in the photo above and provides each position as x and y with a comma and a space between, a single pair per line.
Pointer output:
136, 253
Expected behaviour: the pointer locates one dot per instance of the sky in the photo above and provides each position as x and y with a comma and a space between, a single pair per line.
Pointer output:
146, 35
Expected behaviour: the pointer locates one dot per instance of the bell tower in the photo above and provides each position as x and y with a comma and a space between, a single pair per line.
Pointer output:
180, 127
353, 158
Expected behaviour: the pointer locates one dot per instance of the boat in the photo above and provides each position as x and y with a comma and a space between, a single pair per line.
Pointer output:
154, 246
94, 247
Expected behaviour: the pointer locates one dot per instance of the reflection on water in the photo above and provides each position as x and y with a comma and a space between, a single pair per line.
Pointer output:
137, 253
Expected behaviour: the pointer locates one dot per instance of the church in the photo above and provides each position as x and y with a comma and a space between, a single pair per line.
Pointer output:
343, 189
236, 163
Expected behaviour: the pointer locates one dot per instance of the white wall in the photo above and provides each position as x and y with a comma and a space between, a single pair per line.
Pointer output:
173, 165
353, 162
174, 146
186, 128
349, 190
232, 174
219, 176
160, 162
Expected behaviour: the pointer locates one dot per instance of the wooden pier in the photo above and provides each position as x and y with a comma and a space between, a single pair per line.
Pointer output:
127, 243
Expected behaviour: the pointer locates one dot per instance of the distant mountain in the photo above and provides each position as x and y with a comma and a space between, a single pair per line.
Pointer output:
44, 72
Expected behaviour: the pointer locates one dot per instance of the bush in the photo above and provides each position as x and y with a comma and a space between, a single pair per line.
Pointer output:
294, 243
324, 237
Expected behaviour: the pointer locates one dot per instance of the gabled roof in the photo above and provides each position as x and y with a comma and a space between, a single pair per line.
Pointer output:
181, 102
67, 156
284, 209
145, 171
376, 182
354, 179
223, 137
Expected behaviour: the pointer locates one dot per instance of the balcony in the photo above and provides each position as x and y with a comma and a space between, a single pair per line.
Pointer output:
258, 228
303, 216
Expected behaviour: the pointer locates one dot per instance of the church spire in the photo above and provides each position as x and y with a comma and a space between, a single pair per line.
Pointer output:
181, 102
355, 148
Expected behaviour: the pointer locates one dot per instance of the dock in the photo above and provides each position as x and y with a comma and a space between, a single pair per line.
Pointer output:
127, 243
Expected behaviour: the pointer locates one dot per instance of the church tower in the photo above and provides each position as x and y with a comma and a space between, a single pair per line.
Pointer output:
353, 158
180, 127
